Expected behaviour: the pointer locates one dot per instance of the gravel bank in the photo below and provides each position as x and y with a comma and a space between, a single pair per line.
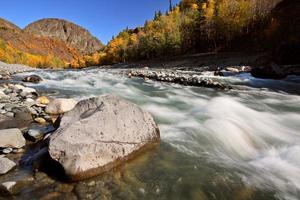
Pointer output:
14, 68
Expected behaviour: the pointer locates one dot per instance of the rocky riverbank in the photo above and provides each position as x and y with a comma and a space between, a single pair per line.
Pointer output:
6, 70
35, 130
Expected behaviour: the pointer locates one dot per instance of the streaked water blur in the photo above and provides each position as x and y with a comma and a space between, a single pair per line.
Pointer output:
237, 144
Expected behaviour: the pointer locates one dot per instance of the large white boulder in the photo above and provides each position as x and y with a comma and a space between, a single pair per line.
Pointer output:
11, 138
100, 133
60, 106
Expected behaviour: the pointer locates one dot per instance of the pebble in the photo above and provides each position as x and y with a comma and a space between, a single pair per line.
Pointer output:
35, 133
92, 183
10, 114
40, 120
16, 151
43, 100
7, 150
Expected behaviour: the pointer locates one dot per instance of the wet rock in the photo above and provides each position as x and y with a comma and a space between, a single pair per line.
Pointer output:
43, 100
40, 120
179, 78
232, 69
7, 150
60, 106
36, 134
32, 79
28, 91
270, 71
8, 185
4, 96
22, 118
6, 165
11, 138
100, 133
10, 114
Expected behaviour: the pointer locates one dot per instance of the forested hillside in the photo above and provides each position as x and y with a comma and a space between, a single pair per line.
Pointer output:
23, 47
201, 26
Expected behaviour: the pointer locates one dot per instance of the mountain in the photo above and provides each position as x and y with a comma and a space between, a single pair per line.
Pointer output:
18, 46
68, 32
4, 24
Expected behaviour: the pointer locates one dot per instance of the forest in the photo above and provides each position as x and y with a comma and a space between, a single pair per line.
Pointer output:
192, 26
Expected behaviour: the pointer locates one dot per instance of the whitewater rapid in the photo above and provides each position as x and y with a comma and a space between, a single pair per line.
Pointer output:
253, 130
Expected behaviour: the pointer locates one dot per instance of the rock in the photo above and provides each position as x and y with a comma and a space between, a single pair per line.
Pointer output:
27, 91
36, 134
6, 165
32, 79
7, 150
9, 114
11, 138
22, 118
18, 87
99, 134
178, 78
40, 120
17, 151
59, 106
232, 70
4, 97
43, 100
8, 186
270, 71
29, 100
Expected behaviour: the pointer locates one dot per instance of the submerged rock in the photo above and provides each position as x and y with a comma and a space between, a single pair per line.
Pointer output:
100, 133
60, 106
6, 165
12, 138
32, 79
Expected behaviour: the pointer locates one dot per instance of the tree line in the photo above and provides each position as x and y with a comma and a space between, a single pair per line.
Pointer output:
189, 27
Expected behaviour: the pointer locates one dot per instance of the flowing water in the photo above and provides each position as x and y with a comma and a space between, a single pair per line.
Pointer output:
237, 144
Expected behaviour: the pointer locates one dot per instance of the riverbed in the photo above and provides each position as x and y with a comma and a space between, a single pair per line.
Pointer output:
242, 143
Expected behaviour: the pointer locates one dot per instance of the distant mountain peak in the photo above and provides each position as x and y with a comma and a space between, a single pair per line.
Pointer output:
73, 35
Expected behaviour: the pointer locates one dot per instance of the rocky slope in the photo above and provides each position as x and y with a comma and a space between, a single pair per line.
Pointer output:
70, 33
25, 42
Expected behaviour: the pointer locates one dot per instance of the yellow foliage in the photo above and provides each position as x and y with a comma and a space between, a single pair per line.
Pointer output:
9, 54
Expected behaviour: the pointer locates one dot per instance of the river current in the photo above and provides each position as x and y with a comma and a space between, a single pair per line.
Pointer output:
238, 144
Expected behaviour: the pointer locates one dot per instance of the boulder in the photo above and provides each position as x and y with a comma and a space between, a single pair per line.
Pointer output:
32, 79
99, 134
11, 138
6, 165
269, 71
60, 106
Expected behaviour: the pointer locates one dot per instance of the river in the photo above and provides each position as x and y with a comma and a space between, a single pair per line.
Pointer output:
242, 143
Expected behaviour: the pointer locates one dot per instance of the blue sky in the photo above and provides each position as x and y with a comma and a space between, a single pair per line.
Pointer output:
103, 18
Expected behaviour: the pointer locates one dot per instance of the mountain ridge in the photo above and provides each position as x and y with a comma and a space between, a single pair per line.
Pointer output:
72, 34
